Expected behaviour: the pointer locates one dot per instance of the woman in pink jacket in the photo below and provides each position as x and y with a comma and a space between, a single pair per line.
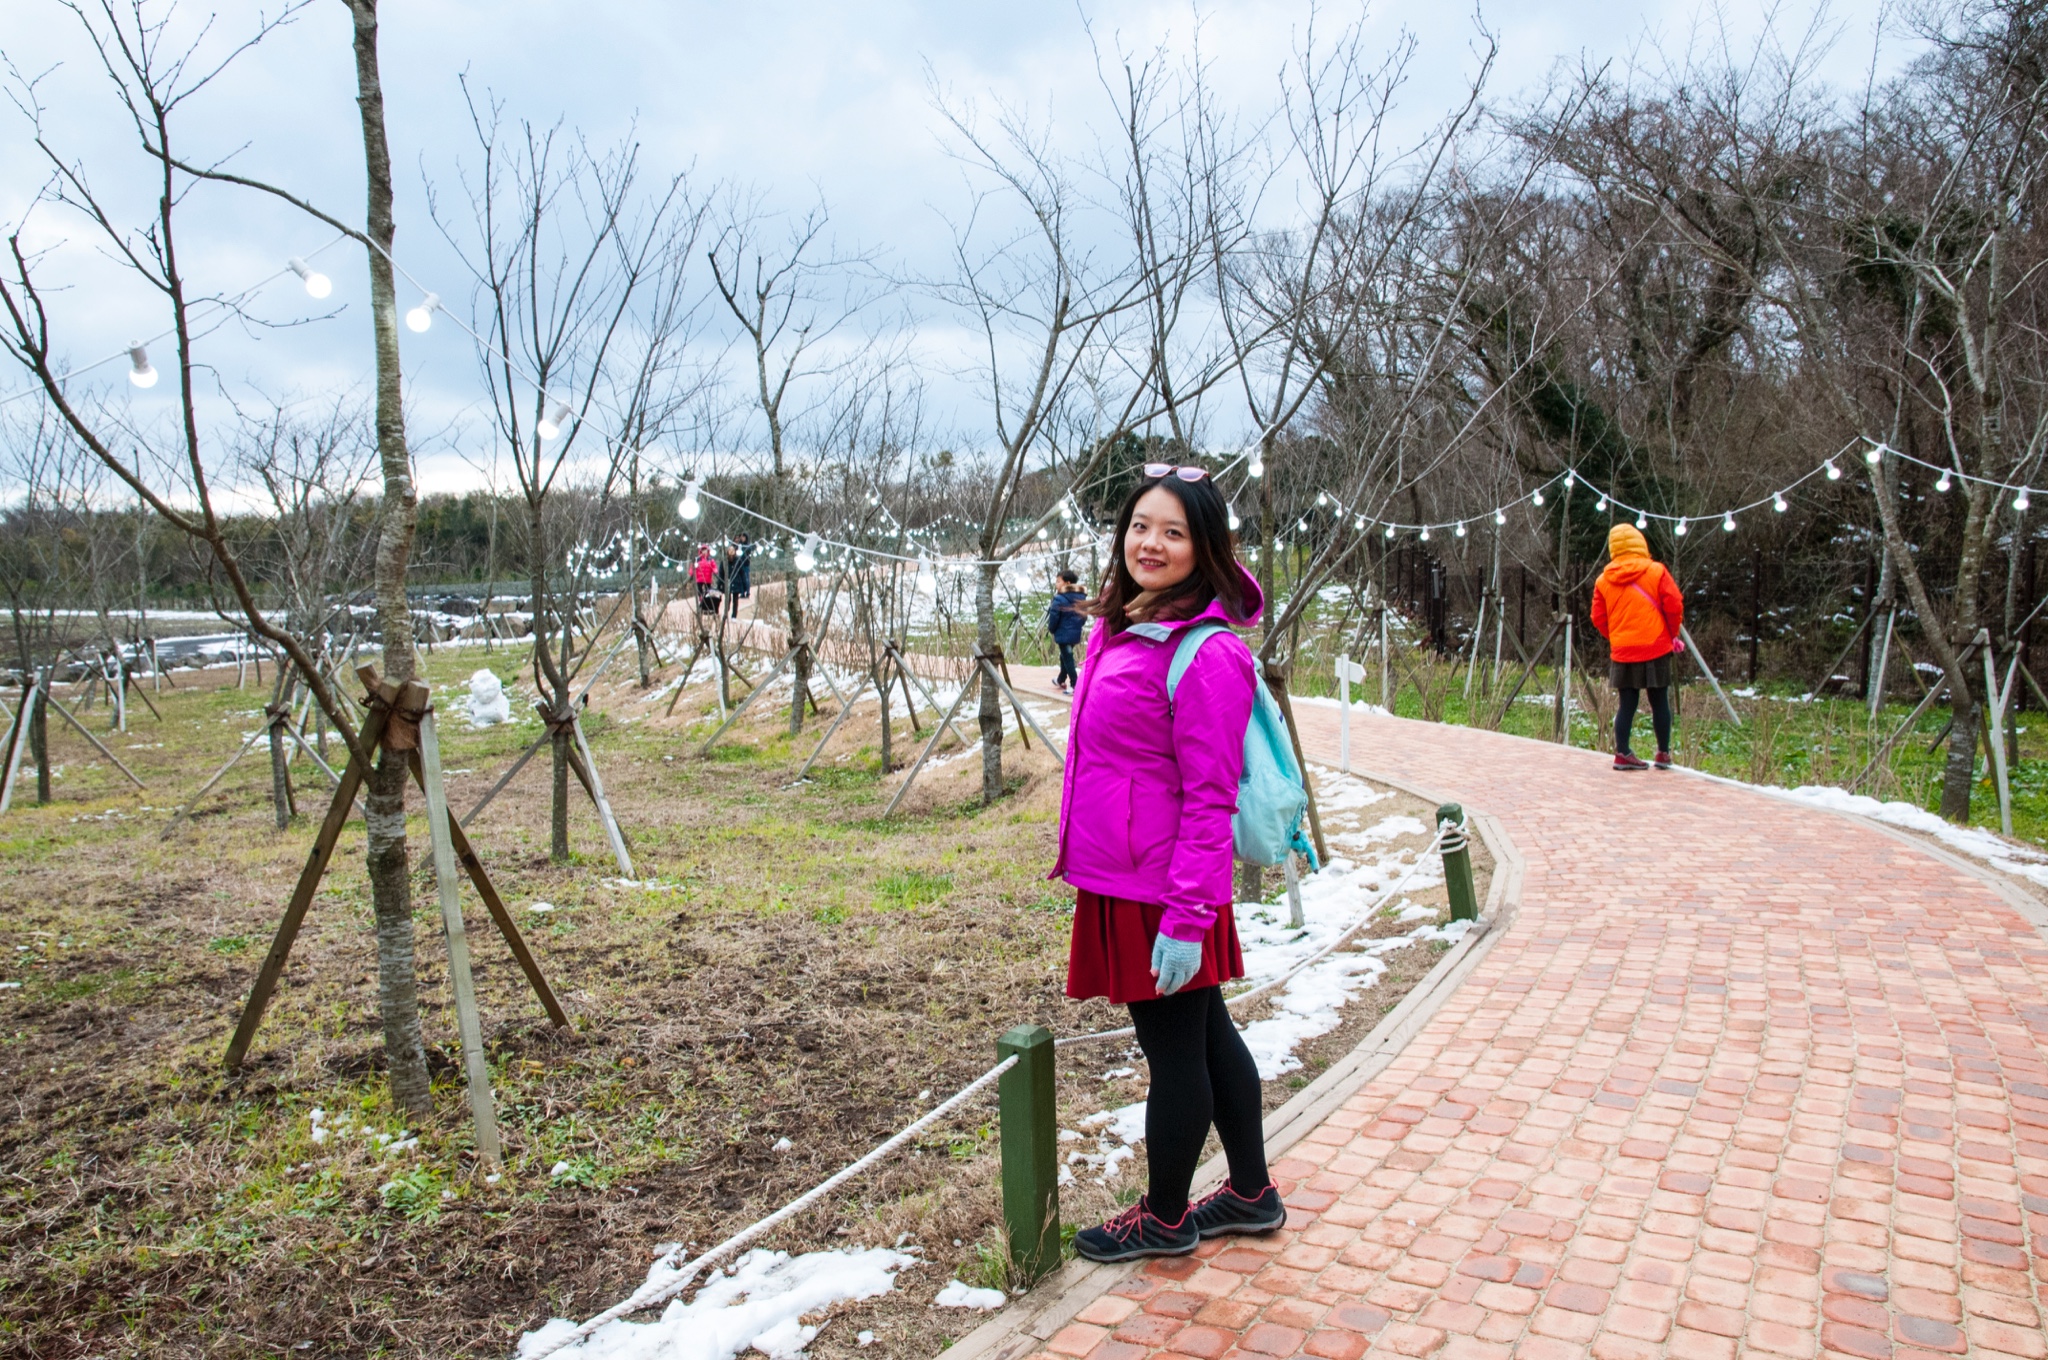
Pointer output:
1145, 840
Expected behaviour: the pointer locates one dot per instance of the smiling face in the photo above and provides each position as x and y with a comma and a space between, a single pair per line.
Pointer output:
1158, 551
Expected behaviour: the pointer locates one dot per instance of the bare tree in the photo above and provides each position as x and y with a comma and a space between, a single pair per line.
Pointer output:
152, 80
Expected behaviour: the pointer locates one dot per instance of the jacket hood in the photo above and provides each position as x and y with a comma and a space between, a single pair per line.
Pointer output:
1254, 603
1625, 571
1625, 540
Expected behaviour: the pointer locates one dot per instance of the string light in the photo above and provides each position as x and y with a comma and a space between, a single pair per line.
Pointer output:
807, 555
1255, 468
1569, 476
1642, 521
1600, 506
1834, 473
927, 578
1874, 454
551, 424
318, 285
1536, 496
1678, 528
1233, 519
1944, 484
1727, 524
1778, 502
139, 372
1390, 531
1500, 517
1461, 528
1425, 533
2020, 502
1322, 498
421, 317
690, 507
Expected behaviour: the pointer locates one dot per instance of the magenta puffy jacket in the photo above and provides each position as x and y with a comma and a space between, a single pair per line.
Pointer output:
1148, 796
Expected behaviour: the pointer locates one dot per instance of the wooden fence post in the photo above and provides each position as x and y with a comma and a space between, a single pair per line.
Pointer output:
1030, 1147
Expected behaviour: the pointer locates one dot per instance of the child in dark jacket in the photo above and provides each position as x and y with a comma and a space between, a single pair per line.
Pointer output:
1065, 623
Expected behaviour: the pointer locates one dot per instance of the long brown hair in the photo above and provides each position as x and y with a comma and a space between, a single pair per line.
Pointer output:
1122, 602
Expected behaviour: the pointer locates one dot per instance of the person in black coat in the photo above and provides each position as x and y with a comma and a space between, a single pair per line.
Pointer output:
1065, 623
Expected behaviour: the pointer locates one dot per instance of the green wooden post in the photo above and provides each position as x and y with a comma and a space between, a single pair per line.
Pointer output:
1030, 1132
1457, 864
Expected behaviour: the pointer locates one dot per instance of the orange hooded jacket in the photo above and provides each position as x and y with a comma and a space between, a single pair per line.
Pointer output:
1636, 604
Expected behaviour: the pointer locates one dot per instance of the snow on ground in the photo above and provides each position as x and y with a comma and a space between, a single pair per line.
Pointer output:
1358, 706
1984, 846
759, 1302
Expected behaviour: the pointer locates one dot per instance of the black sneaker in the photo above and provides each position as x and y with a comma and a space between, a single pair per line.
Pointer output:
1225, 1211
1136, 1232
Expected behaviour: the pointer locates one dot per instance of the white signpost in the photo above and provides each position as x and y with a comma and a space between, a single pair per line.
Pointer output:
1347, 671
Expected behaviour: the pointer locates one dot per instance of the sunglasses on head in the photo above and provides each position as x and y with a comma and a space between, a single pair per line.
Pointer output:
1186, 474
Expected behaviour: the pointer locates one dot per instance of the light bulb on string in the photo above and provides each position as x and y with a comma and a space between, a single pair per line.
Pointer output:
1500, 517
2020, 502
1778, 502
1874, 454
1322, 498
550, 425
1569, 476
1536, 496
927, 578
1358, 523
1678, 528
1727, 524
807, 555
419, 318
1256, 468
318, 285
139, 372
1600, 506
1834, 473
689, 507
1944, 484
1233, 519
1390, 531
1461, 528
1642, 521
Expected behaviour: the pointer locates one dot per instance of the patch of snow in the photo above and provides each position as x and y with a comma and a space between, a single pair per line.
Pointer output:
760, 1302
540, 906
1119, 1073
958, 1295
783, 1145
864, 1339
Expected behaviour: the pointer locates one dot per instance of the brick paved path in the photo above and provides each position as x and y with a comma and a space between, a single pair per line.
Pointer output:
1741, 1078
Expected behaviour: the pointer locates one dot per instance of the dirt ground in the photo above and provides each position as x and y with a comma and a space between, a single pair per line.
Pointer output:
789, 965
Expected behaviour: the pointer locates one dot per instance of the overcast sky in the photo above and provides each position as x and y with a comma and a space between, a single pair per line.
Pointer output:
807, 100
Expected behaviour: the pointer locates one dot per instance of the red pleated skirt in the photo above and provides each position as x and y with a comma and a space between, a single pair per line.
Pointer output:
1110, 954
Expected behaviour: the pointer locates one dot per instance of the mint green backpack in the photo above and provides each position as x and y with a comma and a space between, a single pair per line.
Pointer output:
1271, 795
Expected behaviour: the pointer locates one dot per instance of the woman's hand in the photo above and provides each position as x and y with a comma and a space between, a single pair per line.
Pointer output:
1174, 962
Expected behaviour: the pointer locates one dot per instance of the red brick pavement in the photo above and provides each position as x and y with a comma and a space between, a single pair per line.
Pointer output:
1742, 1078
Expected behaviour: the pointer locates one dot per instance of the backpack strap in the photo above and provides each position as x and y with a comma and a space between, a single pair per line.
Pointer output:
1184, 655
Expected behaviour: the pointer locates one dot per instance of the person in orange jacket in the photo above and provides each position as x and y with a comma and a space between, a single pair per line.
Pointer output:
1637, 608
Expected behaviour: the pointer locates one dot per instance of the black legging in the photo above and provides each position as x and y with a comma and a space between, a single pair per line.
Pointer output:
1201, 1073
1660, 717
1067, 671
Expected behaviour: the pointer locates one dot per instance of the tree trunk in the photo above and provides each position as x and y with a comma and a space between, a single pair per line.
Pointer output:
558, 796
991, 697
800, 691
882, 690
39, 743
1959, 774
384, 801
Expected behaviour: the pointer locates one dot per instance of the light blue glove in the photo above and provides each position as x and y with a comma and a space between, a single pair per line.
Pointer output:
1174, 962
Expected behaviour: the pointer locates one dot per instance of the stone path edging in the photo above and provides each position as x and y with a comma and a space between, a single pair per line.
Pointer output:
1027, 1323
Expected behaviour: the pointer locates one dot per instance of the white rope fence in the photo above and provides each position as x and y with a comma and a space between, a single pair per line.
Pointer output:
1332, 947
654, 1292
660, 1291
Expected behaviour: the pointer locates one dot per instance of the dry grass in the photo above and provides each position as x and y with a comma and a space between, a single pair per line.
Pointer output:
793, 967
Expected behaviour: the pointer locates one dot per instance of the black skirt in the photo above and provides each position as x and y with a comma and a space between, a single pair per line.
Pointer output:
1652, 674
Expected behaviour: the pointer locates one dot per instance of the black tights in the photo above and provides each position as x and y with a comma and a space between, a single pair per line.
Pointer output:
1660, 717
1201, 1073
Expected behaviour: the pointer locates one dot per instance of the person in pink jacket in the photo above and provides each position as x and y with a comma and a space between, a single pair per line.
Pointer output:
1145, 841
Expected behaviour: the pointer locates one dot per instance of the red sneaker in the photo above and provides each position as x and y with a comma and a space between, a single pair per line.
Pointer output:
1663, 760
1625, 761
